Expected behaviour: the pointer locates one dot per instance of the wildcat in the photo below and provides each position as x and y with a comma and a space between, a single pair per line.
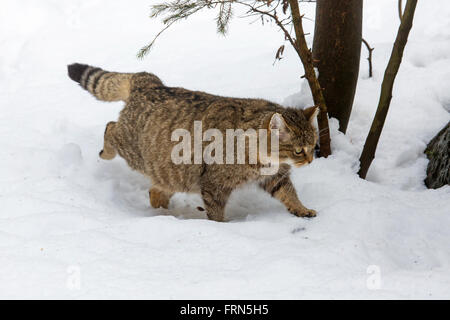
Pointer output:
142, 136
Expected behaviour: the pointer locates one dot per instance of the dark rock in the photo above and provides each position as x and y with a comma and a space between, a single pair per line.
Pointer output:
438, 152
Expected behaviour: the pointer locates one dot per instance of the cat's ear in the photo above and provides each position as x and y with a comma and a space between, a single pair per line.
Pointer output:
277, 123
311, 113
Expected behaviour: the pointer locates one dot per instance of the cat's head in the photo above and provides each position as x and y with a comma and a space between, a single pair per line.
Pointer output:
297, 134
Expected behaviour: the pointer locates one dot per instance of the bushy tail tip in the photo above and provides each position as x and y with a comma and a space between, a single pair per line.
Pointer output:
76, 70
104, 85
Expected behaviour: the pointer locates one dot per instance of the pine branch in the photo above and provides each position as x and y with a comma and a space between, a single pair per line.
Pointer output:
224, 17
176, 10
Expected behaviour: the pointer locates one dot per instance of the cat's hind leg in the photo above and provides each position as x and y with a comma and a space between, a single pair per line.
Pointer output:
108, 152
159, 198
215, 199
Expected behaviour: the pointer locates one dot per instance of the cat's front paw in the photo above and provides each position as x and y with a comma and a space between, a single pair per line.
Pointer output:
303, 212
158, 199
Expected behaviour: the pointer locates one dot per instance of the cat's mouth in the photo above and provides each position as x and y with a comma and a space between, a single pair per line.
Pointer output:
299, 164
296, 164
302, 163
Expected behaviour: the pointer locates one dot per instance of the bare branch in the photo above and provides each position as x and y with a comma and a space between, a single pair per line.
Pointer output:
306, 57
370, 146
274, 17
370, 57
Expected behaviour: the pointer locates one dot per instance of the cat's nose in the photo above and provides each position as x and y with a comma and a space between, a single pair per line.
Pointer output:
310, 157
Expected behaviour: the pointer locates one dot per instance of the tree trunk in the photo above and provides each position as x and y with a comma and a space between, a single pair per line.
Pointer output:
438, 152
370, 146
337, 52
307, 60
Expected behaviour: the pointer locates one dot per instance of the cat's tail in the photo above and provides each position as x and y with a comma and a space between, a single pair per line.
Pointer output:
104, 85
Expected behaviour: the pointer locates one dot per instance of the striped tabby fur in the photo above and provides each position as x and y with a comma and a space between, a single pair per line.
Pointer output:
142, 136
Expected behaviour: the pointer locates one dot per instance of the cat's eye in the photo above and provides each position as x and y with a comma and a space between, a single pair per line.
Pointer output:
298, 151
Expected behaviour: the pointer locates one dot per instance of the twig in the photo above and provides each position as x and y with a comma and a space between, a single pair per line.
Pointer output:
370, 56
400, 9
141, 54
274, 17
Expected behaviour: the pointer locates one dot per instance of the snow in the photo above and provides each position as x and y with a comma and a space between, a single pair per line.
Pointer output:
73, 226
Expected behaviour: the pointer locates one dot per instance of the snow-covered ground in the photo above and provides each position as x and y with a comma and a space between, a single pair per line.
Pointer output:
74, 226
